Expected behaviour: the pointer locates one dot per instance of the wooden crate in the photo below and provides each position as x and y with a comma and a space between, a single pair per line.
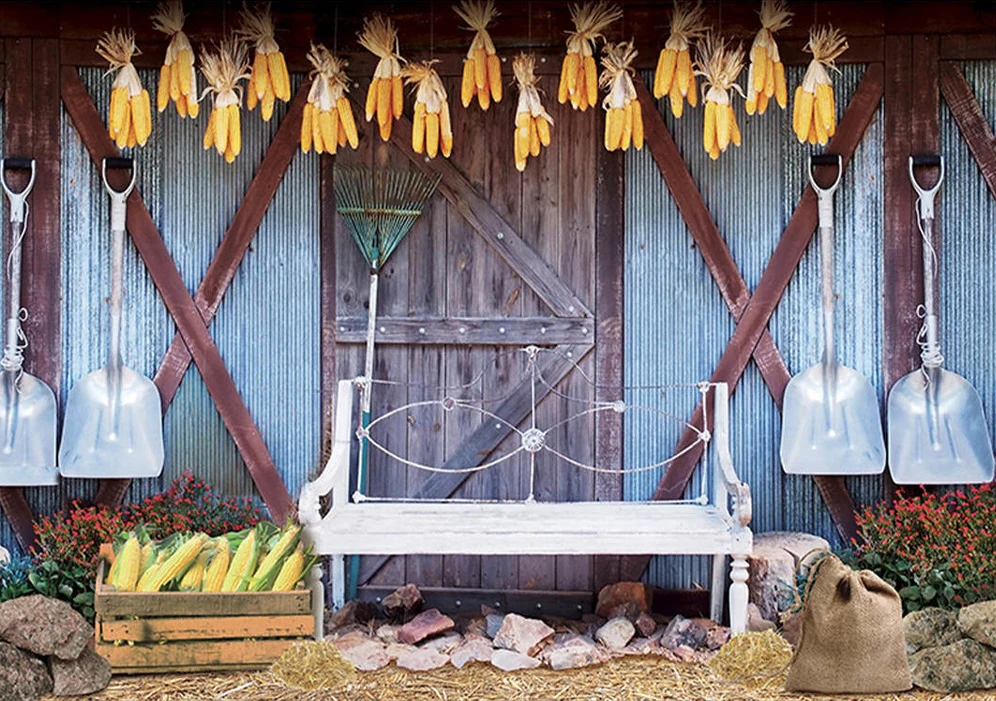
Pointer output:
198, 631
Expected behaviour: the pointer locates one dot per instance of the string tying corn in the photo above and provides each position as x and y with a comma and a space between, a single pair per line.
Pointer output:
579, 73
385, 97
766, 76
328, 117
675, 76
720, 65
224, 69
482, 69
269, 80
814, 114
532, 122
431, 128
130, 115
623, 118
177, 77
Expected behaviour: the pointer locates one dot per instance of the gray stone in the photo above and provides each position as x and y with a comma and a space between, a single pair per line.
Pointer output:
771, 569
627, 599
44, 626
930, 627
524, 635
474, 648
756, 623
686, 654
511, 661
87, 674
402, 604
474, 626
684, 631
574, 652
978, 622
388, 633
352, 613
365, 653
420, 659
961, 666
23, 677
616, 634
427, 623
443, 643
646, 624
717, 637
492, 624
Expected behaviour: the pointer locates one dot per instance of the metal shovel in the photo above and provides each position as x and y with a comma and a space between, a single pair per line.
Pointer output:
113, 426
28, 413
937, 428
831, 422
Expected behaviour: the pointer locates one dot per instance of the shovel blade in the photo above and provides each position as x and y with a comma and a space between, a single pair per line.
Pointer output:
831, 424
937, 431
99, 442
28, 428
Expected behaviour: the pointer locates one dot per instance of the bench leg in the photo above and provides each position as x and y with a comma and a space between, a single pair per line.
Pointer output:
317, 600
738, 594
337, 577
718, 587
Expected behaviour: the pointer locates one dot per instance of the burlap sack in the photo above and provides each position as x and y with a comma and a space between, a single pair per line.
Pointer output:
852, 637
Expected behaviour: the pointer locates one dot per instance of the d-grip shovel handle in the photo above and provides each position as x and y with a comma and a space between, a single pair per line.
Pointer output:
17, 199
825, 202
17, 202
931, 353
926, 195
119, 211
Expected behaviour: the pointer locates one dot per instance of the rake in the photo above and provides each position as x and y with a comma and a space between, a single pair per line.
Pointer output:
380, 207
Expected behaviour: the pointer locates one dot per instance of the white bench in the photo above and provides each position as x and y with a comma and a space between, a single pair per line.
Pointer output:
535, 528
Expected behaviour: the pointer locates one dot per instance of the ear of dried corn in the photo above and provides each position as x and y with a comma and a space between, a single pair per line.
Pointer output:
431, 130
530, 116
766, 76
719, 66
327, 105
269, 80
129, 120
224, 68
482, 69
579, 73
623, 117
814, 112
385, 97
177, 77
675, 76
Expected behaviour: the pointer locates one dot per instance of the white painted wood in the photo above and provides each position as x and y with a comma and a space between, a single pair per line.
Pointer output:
738, 594
334, 478
317, 600
718, 586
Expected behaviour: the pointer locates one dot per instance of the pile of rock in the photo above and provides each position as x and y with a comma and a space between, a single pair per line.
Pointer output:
45, 648
953, 650
400, 631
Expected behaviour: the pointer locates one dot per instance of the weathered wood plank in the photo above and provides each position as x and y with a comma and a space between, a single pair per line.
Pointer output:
111, 604
193, 655
152, 630
971, 121
567, 604
470, 331
326, 253
967, 47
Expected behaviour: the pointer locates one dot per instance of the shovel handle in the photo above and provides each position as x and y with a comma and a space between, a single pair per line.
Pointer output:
926, 195
17, 199
825, 194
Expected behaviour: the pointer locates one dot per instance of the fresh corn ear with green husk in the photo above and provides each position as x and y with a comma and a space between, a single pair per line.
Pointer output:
328, 116
385, 96
127, 566
194, 577
129, 120
177, 77
217, 569
432, 131
675, 76
269, 567
291, 571
623, 117
482, 69
151, 572
579, 73
269, 80
719, 65
532, 121
176, 565
814, 113
766, 75
243, 565
224, 68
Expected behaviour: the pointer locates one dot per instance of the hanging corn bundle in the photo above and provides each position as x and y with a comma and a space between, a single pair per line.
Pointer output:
814, 114
532, 122
177, 77
623, 117
579, 74
431, 128
223, 69
482, 69
719, 65
674, 76
129, 119
328, 117
269, 80
385, 97
766, 76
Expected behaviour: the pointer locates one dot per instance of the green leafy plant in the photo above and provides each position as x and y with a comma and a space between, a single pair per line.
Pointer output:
71, 583
14, 578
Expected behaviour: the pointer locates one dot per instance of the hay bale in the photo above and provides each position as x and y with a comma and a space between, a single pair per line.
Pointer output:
754, 659
313, 665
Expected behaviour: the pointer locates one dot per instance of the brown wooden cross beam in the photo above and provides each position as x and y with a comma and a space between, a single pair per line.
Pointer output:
191, 317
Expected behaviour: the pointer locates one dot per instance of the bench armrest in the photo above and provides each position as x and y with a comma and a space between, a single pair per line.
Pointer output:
334, 478
726, 480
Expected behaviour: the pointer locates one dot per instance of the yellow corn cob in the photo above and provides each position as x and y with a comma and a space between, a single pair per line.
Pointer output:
494, 77
397, 96
347, 122
734, 128
151, 573
112, 573
484, 99
432, 133
141, 116
709, 129
534, 142
445, 130
572, 64
562, 87
722, 126
266, 111
342, 135
278, 75
372, 95
627, 132
769, 78
162, 92
234, 130
128, 564
591, 76
684, 71
637, 126
543, 130
209, 132
221, 129
242, 565
418, 128
290, 572
480, 68
306, 128
762, 102
132, 139
316, 133
185, 66
122, 136
193, 107
268, 567
214, 576
329, 124
750, 104
781, 90
194, 576
664, 75
804, 101
820, 128
677, 101
177, 563
181, 106
384, 102
824, 103
693, 92
467, 84
118, 110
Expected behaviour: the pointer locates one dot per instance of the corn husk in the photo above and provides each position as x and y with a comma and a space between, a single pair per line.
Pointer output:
719, 65
385, 96
129, 120
482, 69
328, 121
814, 112
178, 76
623, 117
579, 73
224, 69
432, 131
766, 75
269, 80
532, 121
675, 74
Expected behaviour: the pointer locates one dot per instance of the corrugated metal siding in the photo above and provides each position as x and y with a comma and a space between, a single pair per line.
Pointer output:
677, 324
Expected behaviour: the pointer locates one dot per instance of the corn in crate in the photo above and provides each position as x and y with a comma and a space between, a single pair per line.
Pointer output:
190, 602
